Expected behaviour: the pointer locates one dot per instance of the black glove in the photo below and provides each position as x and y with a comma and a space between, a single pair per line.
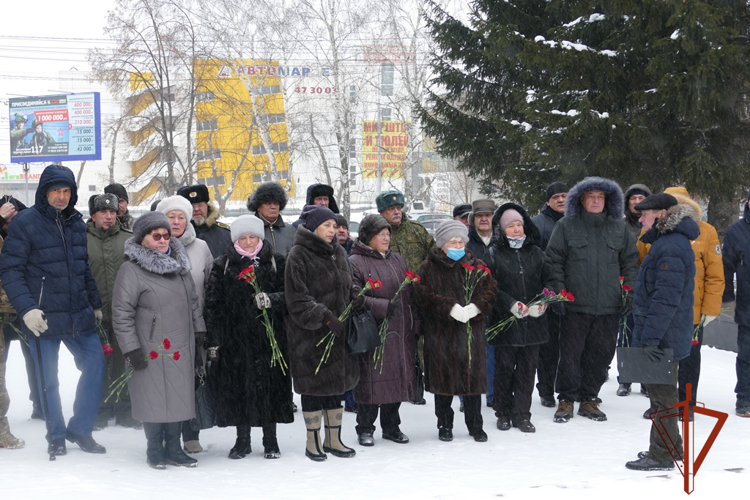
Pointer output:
392, 308
557, 308
200, 339
653, 352
627, 307
336, 326
135, 359
358, 302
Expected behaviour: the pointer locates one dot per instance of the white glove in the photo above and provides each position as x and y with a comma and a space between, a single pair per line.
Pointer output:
538, 310
459, 314
472, 310
98, 315
35, 321
519, 310
707, 319
262, 300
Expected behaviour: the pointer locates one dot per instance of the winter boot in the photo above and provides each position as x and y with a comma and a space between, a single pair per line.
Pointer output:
564, 412
102, 419
647, 464
36, 412
548, 401
193, 446
743, 408
312, 422
590, 409
175, 455
270, 444
156, 455
333, 444
623, 390
241, 447
8, 440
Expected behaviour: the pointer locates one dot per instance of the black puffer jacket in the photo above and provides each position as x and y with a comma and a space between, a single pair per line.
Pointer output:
521, 276
545, 222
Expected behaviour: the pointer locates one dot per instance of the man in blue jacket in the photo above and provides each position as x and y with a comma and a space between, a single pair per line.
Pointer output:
45, 272
663, 311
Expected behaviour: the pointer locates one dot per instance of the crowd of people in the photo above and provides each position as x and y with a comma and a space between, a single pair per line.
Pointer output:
179, 322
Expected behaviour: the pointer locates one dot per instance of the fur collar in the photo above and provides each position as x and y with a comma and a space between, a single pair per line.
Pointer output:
674, 216
615, 201
313, 242
157, 262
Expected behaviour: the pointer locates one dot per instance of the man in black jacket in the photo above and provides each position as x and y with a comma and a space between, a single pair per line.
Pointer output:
553, 211
205, 212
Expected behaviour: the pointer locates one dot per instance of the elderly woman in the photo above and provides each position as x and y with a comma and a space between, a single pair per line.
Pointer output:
385, 388
179, 210
454, 360
522, 272
156, 318
318, 286
247, 390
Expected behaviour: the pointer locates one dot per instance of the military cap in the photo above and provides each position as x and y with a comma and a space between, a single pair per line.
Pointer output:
389, 198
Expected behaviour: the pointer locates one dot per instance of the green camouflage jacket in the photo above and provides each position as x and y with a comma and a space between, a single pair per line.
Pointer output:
412, 241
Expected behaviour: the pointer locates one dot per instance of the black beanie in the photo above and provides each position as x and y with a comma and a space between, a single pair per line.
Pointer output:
556, 188
314, 215
119, 190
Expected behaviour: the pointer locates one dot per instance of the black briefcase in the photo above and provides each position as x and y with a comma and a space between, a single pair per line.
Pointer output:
634, 366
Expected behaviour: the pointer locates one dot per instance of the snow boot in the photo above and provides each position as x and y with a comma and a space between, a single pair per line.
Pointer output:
590, 409
623, 390
743, 408
478, 434
156, 455
241, 447
8, 440
647, 463
57, 448
270, 444
503, 423
333, 444
445, 434
175, 455
564, 412
312, 423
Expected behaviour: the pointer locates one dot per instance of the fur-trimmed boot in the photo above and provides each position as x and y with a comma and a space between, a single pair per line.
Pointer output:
333, 444
175, 455
312, 422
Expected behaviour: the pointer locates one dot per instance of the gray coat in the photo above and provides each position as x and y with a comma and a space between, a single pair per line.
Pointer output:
154, 299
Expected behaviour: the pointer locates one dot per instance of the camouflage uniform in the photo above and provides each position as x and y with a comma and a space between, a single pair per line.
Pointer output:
412, 241
7, 314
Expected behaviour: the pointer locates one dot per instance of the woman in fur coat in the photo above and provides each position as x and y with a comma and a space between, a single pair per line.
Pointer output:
247, 390
318, 286
453, 364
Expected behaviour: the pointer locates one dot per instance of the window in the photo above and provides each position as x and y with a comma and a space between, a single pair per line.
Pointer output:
211, 154
352, 148
352, 93
270, 89
272, 118
276, 147
386, 79
92, 187
207, 125
204, 96
385, 114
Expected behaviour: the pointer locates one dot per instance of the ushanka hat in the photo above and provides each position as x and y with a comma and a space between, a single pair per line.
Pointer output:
197, 193
106, 201
265, 193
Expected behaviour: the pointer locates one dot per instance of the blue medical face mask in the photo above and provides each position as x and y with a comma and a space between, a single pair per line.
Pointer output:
456, 253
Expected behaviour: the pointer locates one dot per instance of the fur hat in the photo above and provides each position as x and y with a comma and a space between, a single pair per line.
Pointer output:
118, 190
556, 188
247, 224
147, 223
450, 229
106, 201
314, 215
315, 190
175, 202
509, 215
370, 226
462, 210
390, 198
270, 191
197, 193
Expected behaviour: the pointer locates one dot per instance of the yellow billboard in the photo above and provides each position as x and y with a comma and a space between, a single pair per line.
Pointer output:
386, 145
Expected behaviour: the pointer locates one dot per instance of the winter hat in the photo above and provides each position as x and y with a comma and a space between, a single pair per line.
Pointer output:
154, 205
341, 221
59, 185
658, 201
509, 216
175, 202
450, 229
247, 224
270, 191
197, 193
315, 190
462, 210
390, 198
147, 223
106, 201
117, 190
314, 215
370, 226
556, 188
13, 201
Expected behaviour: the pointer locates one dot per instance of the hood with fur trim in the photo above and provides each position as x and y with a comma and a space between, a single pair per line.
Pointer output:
156, 262
615, 200
533, 237
683, 198
680, 218
270, 191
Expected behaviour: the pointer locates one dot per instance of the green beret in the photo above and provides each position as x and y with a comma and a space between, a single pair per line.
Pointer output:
389, 198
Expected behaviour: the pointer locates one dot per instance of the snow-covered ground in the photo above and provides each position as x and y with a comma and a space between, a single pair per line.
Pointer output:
580, 459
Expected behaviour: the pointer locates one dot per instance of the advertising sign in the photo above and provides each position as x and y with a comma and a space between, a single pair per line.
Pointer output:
391, 142
55, 128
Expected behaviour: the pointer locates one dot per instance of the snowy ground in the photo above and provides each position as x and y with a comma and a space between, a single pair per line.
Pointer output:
580, 459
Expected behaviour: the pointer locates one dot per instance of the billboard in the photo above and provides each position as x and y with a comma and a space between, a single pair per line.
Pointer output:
391, 142
55, 128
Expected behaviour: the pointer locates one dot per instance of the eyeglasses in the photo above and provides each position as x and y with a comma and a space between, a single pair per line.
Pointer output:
159, 236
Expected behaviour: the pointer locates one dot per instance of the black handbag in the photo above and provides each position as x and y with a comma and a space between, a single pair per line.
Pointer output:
204, 407
364, 333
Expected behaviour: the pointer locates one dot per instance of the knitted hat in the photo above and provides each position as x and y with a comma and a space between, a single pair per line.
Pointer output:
147, 223
462, 210
370, 226
341, 221
118, 190
247, 224
658, 201
450, 229
106, 201
175, 202
197, 193
59, 185
556, 188
509, 216
314, 215
388, 199
270, 191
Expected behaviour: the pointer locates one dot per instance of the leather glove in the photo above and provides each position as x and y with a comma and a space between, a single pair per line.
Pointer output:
200, 339
627, 307
336, 326
472, 310
459, 314
653, 352
213, 353
262, 301
538, 310
706, 319
392, 308
135, 359
35, 321
519, 310
98, 315
358, 302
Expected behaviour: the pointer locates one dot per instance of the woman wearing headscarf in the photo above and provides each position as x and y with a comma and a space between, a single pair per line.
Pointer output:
318, 286
387, 386
454, 363
247, 389
156, 318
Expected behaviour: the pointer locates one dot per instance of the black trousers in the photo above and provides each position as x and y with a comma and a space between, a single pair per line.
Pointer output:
472, 411
315, 403
549, 355
389, 417
587, 345
514, 380
664, 396
690, 370
28, 359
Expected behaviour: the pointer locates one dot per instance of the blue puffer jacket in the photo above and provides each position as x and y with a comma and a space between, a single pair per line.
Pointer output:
45, 262
736, 245
663, 301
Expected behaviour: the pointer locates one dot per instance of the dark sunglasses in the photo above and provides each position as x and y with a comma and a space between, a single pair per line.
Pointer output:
159, 236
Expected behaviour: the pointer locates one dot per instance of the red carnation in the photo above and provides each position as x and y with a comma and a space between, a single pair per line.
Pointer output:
176, 356
627, 288
375, 283
418, 278
570, 297
409, 275
621, 278
167, 344
107, 350
153, 355
695, 341
468, 267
